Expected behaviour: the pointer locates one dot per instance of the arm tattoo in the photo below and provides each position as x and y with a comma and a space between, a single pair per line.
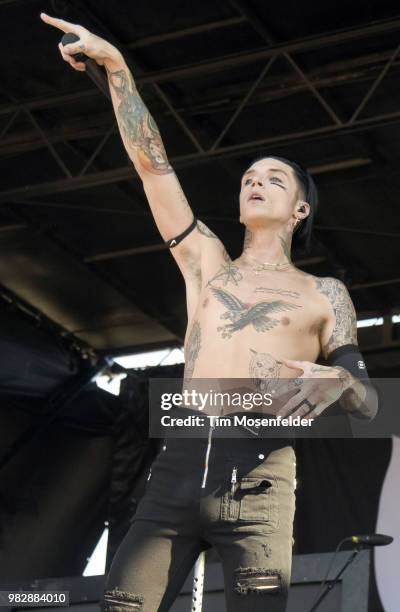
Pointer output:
192, 350
345, 327
203, 229
138, 128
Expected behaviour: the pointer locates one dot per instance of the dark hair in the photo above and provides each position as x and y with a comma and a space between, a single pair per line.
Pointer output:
302, 236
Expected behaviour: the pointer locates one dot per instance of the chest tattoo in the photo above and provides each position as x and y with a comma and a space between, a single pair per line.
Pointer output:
285, 292
227, 273
242, 314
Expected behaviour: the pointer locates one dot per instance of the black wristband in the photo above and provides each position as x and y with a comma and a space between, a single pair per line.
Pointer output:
174, 241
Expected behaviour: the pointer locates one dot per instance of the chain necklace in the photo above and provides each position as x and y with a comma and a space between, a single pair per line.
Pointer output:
262, 266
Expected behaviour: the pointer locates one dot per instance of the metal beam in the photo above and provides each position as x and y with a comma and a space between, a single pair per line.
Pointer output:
97, 150
259, 26
222, 63
374, 85
96, 126
127, 173
138, 301
369, 284
8, 124
151, 248
161, 94
243, 103
47, 143
8, 2
241, 59
12, 227
139, 67
79, 208
184, 33
318, 77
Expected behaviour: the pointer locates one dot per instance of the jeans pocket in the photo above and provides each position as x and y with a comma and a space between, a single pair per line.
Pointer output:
252, 500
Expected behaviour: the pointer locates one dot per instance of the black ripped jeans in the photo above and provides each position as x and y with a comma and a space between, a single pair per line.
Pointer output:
242, 505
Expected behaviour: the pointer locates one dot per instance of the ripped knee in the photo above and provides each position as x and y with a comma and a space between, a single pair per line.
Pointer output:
122, 601
257, 580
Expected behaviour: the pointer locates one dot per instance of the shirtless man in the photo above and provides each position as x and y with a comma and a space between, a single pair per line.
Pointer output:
257, 317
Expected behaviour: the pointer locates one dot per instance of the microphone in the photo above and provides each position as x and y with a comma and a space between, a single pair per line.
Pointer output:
374, 539
93, 70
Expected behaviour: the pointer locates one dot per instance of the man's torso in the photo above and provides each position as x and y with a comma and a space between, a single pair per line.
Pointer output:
241, 324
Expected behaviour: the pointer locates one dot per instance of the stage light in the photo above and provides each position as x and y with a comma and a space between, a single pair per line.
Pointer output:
370, 322
376, 321
97, 561
168, 356
111, 384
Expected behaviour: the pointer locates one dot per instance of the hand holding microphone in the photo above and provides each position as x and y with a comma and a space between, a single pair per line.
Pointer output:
85, 51
86, 43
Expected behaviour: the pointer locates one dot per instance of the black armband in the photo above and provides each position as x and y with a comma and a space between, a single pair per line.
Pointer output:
350, 358
174, 241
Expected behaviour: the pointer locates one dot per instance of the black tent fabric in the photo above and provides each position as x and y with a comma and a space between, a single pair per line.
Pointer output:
34, 360
54, 492
134, 451
339, 483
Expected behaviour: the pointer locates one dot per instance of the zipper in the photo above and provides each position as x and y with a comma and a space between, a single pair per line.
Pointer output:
233, 481
203, 484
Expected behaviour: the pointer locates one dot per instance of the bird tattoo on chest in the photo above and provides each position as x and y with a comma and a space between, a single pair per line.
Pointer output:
241, 314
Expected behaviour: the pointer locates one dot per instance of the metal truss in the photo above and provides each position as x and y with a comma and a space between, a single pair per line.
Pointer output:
214, 150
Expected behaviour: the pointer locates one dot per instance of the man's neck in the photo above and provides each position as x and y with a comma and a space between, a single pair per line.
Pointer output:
267, 245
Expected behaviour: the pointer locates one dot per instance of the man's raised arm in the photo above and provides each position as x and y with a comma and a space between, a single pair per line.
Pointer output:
142, 141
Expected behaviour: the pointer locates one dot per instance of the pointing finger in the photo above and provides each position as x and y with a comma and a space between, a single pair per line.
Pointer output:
65, 26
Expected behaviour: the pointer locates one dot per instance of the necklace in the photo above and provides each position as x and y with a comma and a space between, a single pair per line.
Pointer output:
261, 266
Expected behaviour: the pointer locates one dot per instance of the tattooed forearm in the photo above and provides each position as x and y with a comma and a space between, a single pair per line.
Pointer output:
138, 128
192, 350
286, 292
203, 229
345, 326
